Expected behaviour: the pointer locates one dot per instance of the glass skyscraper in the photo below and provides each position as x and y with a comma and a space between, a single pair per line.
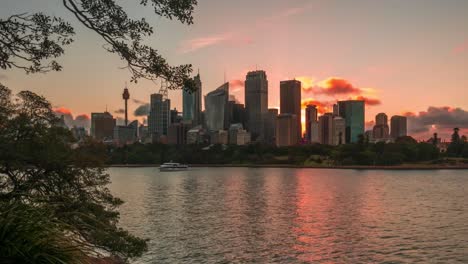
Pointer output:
160, 116
216, 103
192, 103
353, 111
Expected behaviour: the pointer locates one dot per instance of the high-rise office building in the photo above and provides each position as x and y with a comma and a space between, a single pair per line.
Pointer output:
326, 129
176, 117
381, 129
399, 126
353, 111
336, 110
216, 103
102, 126
192, 102
239, 115
286, 130
339, 130
159, 117
311, 115
290, 102
126, 135
177, 133
270, 126
256, 103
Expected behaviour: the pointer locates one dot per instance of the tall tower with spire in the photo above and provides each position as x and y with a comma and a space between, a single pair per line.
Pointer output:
126, 96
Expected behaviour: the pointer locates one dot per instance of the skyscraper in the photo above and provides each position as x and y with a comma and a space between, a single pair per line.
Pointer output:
290, 102
102, 126
216, 103
326, 129
286, 130
270, 126
192, 102
159, 117
256, 103
339, 131
311, 114
399, 126
381, 129
353, 111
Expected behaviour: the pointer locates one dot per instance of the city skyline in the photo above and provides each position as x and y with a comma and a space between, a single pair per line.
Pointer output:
428, 43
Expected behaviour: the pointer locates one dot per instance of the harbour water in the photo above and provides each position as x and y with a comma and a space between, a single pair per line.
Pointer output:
243, 215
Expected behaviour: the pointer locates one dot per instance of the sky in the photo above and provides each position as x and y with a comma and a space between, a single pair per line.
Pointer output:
402, 56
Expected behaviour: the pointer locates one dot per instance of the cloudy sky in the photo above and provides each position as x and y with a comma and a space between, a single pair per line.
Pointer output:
401, 56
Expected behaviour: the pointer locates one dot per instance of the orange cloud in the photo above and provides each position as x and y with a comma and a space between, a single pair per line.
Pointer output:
63, 111
368, 101
322, 106
338, 86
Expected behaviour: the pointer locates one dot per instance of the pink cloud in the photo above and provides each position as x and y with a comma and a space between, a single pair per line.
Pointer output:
199, 43
241, 36
463, 47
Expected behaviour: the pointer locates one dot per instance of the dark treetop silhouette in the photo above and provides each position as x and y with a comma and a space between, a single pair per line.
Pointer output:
32, 42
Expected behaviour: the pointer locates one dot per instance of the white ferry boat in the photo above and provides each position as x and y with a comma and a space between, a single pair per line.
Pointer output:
171, 166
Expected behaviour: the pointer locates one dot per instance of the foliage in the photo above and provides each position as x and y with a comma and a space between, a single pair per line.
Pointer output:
362, 153
29, 235
35, 38
26, 41
455, 149
41, 166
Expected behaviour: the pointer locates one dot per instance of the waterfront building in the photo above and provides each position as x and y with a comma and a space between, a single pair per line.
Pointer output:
102, 126
290, 102
311, 115
220, 137
399, 126
314, 132
256, 103
381, 130
126, 135
326, 129
216, 103
353, 111
286, 130
159, 117
143, 134
197, 135
177, 134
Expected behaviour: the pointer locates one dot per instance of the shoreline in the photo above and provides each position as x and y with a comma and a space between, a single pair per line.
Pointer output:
287, 166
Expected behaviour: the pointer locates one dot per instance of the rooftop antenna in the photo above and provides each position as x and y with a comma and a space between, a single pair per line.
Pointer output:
164, 89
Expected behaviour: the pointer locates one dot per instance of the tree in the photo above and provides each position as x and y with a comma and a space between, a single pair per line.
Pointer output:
435, 139
455, 147
32, 42
42, 167
456, 135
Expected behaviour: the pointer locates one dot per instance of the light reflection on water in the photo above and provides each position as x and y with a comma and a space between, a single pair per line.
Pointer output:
242, 215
